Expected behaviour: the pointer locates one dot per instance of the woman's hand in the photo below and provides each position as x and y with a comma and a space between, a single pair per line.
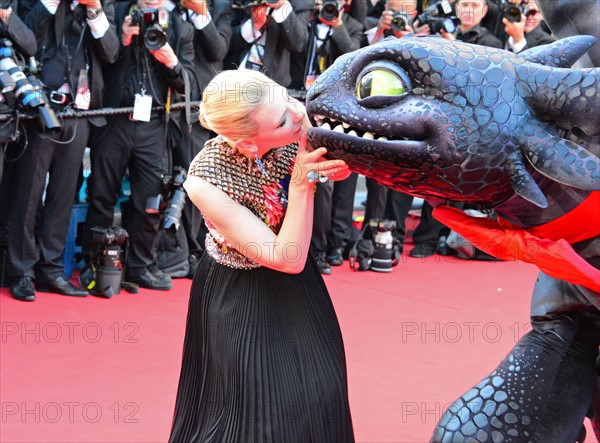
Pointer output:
307, 161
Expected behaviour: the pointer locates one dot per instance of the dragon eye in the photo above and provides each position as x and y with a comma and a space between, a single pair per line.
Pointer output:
380, 82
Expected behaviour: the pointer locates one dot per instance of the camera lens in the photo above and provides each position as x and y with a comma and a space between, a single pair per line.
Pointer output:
398, 24
512, 13
155, 38
329, 10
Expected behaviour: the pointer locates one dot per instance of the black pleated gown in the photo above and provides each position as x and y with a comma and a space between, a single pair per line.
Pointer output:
263, 359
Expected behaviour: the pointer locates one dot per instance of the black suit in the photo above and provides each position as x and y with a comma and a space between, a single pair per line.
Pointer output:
282, 39
346, 38
210, 47
23, 41
139, 146
211, 43
479, 35
537, 37
60, 156
19, 34
101, 51
342, 40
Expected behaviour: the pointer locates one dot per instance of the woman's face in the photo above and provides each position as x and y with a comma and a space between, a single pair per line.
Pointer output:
279, 119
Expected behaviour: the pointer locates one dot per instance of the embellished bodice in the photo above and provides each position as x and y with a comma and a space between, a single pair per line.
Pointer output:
264, 192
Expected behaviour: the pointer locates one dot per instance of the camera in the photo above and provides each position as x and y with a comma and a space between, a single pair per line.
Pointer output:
400, 20
172, 206
386, 254
439, 16
153, 25
176, 201
103, 276
243, 4
109, 236
330, 10
513, 13
22, 90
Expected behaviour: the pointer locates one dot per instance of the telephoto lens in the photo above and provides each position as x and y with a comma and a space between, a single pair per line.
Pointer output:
175, 204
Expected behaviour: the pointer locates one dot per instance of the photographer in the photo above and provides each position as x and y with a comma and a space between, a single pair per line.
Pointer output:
268, 33
74, 40
333, 32
156, 56
212, 33
396, 19
526, 32
470, 30
23, 40
13, 28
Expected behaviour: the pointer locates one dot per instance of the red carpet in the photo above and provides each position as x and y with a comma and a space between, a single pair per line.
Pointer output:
96, 370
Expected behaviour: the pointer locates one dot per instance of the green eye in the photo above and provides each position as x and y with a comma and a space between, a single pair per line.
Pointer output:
380, 82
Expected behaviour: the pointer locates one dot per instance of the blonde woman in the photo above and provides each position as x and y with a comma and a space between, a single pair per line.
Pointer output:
263, 356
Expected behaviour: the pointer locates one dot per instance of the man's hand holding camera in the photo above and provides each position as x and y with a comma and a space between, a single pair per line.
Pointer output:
91, 4
166, 56
387, 23
129, 30
515, 29
260, 14
198, 6
334, 23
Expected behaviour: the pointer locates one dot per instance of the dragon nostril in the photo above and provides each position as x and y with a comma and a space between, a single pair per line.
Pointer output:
313, 93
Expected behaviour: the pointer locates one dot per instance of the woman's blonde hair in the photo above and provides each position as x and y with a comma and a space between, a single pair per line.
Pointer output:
228, 100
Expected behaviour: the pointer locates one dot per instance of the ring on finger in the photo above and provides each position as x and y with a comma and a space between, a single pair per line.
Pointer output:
314, 176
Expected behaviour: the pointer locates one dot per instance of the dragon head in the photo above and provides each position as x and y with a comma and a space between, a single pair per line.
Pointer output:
443, 119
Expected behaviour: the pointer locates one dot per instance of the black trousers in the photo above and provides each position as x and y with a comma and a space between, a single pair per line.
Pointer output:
427, 231
321, 218
59, 158
139, 146
183, 154
342, 206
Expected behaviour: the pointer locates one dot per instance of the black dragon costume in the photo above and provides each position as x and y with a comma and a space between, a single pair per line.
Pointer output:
513, 134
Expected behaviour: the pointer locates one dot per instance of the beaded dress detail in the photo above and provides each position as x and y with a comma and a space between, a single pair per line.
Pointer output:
262, 192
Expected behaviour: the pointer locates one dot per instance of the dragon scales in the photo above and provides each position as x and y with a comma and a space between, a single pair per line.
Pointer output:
513, 134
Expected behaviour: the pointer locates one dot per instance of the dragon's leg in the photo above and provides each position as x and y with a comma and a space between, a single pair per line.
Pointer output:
540, 392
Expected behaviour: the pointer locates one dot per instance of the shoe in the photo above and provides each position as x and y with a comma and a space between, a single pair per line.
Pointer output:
335, 258
159, 274
153, 278
322, 264
422, 250
22, 288
443, 248
61, 286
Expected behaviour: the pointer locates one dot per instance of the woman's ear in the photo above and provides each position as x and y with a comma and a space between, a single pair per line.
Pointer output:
246, 147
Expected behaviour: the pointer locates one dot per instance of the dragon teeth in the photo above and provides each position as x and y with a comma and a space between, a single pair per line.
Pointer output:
325, 125
368, 135
338, 128
382, 138
353, 133
345, 125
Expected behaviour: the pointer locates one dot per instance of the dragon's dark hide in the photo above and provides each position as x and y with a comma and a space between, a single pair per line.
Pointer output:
516, 134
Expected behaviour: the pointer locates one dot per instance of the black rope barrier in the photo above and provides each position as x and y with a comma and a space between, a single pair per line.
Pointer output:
69, 112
